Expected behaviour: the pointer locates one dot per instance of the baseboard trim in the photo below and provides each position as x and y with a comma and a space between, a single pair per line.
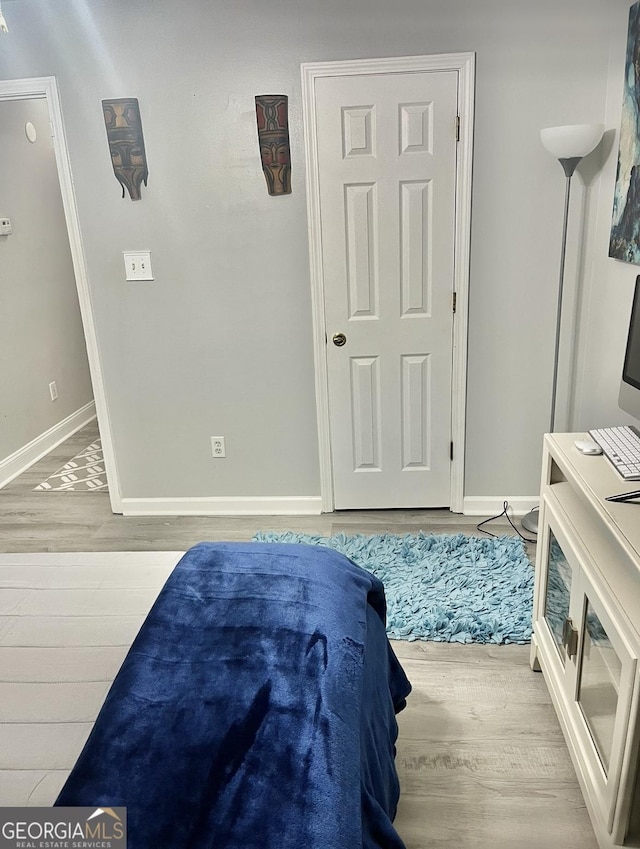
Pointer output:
230, 506
491, 505
18, 462
293, 506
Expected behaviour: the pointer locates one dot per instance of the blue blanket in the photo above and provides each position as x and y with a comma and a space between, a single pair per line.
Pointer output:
255, 709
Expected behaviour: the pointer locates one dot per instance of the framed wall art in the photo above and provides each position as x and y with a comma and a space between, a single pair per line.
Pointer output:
624, 243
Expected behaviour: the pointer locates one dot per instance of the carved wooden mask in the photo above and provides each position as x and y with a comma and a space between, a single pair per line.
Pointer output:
126, 143
273, 136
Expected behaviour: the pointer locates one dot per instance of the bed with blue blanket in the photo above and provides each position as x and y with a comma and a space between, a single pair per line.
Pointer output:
254, 710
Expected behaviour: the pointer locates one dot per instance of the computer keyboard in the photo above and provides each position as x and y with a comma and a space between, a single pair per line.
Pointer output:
621, 446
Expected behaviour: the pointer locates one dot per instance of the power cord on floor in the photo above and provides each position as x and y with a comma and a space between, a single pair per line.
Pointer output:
505, 507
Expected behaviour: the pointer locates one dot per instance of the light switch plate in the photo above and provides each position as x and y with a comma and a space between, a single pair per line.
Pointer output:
137, 265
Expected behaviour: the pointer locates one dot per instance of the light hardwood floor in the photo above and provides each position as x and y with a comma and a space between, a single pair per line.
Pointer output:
481, 758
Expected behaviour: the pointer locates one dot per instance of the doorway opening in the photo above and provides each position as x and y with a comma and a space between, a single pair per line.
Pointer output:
44, 90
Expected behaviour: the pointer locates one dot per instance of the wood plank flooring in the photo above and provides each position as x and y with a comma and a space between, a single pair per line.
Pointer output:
481, 757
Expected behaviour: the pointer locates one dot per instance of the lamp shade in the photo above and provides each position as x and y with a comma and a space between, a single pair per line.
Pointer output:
575, 140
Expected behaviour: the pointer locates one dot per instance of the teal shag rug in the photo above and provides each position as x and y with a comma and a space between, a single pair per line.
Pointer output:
445, 588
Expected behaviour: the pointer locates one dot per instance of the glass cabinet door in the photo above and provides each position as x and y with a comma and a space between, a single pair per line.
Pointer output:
599, 684
557, 594
605, 672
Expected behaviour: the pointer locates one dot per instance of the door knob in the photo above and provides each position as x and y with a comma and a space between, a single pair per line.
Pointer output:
339, 339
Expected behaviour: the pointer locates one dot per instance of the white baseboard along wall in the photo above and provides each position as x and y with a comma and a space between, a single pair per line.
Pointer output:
229, 506
292, 506
519, 505
24, 457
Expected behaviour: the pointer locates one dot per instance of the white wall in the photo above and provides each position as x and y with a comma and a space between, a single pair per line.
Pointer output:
41, 337
220, 343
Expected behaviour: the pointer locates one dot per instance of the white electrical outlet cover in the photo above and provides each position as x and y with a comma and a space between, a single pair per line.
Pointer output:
217, 446
137, 265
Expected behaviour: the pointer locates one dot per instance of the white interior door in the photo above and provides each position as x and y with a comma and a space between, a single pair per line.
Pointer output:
386, 148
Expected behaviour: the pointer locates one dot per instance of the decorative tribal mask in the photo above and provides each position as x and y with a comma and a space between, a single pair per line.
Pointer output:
273, 136
126, 143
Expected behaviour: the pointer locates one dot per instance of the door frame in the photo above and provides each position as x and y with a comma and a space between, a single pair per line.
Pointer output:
464, 65
45, 88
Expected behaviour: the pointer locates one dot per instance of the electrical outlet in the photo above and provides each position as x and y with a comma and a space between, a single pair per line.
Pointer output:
53, 390
217, 446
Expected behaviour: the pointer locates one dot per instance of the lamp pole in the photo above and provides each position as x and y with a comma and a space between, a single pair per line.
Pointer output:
569, 144
569, 166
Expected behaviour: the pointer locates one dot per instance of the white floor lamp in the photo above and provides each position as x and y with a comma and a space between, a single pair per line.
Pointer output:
569, 145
